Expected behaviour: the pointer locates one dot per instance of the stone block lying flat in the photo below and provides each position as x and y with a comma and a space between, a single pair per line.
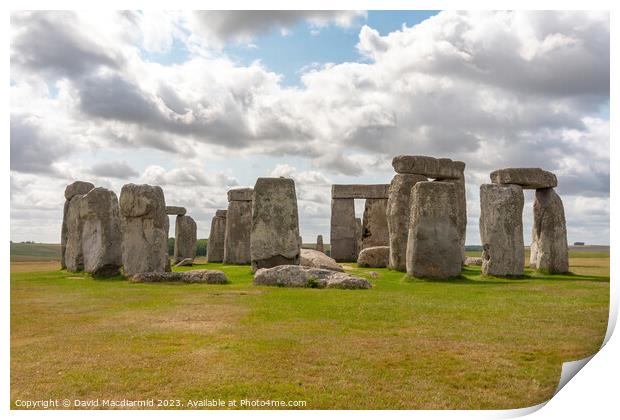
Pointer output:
317, 259
240, 194
428, 166
375, 257
193, 276
175, 210
529, 178
361, 191
299, 276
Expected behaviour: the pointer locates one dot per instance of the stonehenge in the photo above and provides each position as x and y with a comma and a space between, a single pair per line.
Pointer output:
217, 235
343, 230
274, 238
184, 239
300, 276
193, 276
433, 245
549, 250
319, 243
317, 259
375, 257
238, 226
374, 224
78, 187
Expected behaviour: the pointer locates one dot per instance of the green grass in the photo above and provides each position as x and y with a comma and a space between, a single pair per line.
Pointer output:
406, 343
34, 252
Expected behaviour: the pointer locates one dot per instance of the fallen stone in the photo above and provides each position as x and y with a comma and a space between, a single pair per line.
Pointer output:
185, 239
361, 191
176, 211
549, 243
373, 274
319, 243
528, 178
317, 259
186, 262
374, 257
398, 214
501, 229
374, 223
433, 248
192, 276
428, 166
240, 194
78, 187
275, 224
217, 236
299, 276
473, 261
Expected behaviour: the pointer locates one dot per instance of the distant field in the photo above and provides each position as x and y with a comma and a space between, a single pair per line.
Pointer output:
35, 252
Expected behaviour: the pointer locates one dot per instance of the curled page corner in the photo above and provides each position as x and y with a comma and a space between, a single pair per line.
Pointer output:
570, 369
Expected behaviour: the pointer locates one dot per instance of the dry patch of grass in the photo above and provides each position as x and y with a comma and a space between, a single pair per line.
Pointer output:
33, 266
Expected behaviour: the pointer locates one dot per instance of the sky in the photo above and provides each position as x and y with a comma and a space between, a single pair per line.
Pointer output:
201, 102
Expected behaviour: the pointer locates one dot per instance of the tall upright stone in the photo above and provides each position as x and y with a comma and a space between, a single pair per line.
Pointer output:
319, 244
101, 232
374, 223
275, 224
342, 230
144, 229
359, 232
184, 239
501, 229
77, 187
215, 247
74, 255
398, 215
238, 226
461, 210
549, 250
433, 249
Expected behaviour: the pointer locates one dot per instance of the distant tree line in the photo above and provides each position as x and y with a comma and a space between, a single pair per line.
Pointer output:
201, 247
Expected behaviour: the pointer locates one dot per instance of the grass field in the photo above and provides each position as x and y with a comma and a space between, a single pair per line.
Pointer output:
406, 343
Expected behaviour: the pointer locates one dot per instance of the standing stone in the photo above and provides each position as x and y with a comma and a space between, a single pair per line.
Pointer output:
101, 232
461, 210
215, 247
184, 239
374, 224
549, 243
275, 224
342, 230
78, 187
238, 226
501, 229
398, 215
144, 229
74, 257
433, 248
358, 237
319, 244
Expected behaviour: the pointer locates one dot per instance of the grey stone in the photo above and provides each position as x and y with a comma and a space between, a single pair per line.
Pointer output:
319, 243
501, 229
217, 236
374, 224
275, 224
237, 235
299, 276
428, 166
317, 259
184, 239
74, 256
374, 257
549, 243
343, 230
461, 210
144, 229
363, 191
433, 248
192, 276
528, 178
187, 262
176, 210
78, 187
398, 215
240, 194
101, 232
473, 260
358, 237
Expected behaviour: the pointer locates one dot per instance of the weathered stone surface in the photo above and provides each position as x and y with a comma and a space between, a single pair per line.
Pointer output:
217, 236
529, 178
398, 215
358, 237
184, 238
319, 243
101, 232
374, 223
473, 260
501, 229
360, 191
176, 210
317, 259
433, 248
549, 248
275, 224
461, 210
186, 262
144, 229
374, 257
78, 187
299, 276
192, 276
74, 257
428, 166
342, 230
240, 194
237, 236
